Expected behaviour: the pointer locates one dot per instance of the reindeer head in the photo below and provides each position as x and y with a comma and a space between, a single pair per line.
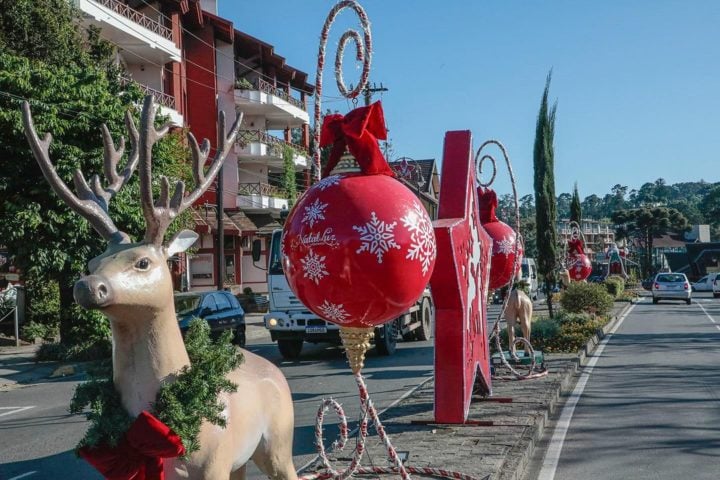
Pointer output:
132, 275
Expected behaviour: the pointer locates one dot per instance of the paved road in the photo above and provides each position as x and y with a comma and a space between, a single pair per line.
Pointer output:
651, 406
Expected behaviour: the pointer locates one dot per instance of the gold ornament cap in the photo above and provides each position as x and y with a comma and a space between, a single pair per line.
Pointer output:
356, 342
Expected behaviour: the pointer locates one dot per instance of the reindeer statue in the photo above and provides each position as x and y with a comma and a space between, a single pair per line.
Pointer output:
130, 283
519, 310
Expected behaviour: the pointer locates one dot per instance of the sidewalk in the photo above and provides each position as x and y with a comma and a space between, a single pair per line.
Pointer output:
499, 451
17, 366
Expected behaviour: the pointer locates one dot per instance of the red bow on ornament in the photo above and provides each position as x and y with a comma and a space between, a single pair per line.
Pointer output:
140, 453
488, 203
359, 131
575, 247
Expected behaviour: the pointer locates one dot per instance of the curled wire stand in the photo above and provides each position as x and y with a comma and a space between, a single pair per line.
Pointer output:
367, 413
531, 373
363, 53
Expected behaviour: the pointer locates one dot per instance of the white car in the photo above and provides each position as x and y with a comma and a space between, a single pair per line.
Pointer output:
716, 285
672, 286
705, 284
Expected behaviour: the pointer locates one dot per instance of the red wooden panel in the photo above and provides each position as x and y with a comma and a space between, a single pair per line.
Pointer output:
459, 285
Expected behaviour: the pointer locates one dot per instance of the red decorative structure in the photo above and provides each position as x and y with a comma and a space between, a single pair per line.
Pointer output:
578, 264
460, 285
503, 237
359, 248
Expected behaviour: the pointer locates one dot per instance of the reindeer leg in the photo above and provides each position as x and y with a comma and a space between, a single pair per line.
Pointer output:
511, 338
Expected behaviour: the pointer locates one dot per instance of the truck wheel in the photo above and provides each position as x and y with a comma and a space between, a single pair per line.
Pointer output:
290, 348
425, 329
386, 338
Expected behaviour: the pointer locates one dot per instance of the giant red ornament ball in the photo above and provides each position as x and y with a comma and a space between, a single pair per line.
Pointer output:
358, 248
503, 237
578, 264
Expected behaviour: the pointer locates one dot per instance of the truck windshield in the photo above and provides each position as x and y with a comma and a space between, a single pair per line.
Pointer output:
525, 270
275, 264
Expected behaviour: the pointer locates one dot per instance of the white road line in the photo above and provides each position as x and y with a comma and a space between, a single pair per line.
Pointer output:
717, 326
552, 457
24, 475
14, 410
706, 313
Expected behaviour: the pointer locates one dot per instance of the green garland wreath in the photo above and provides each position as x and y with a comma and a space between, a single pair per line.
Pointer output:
181, 405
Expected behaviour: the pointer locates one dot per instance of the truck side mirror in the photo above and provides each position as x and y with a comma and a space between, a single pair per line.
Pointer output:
256, 249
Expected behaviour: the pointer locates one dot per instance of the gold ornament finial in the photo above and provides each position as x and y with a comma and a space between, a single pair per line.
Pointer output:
356, 342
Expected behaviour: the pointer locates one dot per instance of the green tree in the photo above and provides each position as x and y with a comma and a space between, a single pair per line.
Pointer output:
563, 205
545, 207
289, 176
646, 223
70, 95
575, 207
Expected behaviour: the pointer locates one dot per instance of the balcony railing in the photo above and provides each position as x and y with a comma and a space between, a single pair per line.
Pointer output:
270, 89
275, 143
163, 99
263, 189
137, 17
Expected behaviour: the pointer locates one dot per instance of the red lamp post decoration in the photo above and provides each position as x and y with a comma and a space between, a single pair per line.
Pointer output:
504, 253
359, 248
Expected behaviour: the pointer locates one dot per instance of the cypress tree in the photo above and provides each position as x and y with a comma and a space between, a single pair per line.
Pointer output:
545, 206
575, 207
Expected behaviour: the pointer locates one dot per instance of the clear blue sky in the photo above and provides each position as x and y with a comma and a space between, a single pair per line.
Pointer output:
637, 82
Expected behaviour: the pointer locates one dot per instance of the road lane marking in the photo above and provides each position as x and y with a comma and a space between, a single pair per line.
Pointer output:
24, 475
552, 457
706, 313
14, 410
717, 326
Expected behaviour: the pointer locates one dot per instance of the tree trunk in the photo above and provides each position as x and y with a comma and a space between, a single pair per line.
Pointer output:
548, 295
66, 302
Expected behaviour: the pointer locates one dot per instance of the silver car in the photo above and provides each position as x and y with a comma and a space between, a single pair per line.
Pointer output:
671, 286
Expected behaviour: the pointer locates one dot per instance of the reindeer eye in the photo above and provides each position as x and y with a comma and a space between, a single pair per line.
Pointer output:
142, 264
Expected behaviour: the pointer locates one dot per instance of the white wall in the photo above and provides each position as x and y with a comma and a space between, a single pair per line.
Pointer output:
209, 6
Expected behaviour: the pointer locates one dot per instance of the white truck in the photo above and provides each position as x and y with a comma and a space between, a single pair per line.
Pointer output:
291, 324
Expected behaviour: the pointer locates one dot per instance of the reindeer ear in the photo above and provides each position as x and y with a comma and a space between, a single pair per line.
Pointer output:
182, 240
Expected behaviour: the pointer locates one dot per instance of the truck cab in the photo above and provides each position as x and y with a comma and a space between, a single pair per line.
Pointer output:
528, 274
291, 323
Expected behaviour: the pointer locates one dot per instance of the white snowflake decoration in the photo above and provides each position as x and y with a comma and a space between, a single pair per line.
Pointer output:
327, 182
422, 237
505, 246
377, 237
314, 212
334, 312
314, 267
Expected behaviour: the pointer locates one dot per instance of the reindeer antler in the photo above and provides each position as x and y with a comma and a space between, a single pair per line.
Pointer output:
92, 202
158, 215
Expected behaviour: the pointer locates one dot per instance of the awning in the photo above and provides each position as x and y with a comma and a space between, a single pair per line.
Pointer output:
205, 220
264, 222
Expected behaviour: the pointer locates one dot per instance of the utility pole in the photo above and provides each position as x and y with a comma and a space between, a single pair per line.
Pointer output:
220, 246
368, 91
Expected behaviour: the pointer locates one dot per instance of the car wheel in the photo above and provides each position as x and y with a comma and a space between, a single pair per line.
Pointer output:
655, 300
425, 329
239, 336
688, 301
386, 338
290, 348
716, 295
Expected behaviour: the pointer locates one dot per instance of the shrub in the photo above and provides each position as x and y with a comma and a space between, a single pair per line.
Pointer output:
43, 303
39, 330
614, 285
586, 297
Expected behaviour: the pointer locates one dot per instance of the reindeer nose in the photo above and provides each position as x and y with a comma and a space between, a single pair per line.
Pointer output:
92, 292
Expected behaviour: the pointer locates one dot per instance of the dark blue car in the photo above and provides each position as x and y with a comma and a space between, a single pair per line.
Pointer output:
220, 309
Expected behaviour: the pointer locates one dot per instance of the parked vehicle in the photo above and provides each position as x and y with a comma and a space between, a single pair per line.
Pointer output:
716, 286
528, 274
671, 286
705, 284
291, 323
220, 309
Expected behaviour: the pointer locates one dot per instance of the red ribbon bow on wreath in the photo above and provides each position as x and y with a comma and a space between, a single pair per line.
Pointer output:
139, 455
359, 131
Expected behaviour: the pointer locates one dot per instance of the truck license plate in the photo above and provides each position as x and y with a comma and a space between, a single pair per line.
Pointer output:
315, 329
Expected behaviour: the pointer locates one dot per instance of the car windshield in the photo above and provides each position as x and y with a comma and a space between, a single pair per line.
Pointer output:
185, 304
671, 278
